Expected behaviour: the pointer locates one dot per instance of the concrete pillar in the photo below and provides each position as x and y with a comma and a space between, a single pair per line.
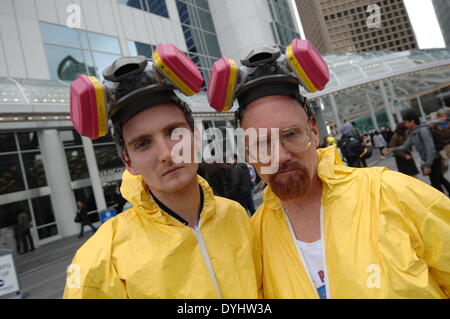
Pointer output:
372, 112
386, 106
422, 113
58, 178
94, 174
335, 112
322, 127
394, 97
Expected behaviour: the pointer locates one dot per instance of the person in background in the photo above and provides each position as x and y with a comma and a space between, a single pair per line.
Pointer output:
241, 189
443, 127
380, 143
354, 152
422, 139
84, 218
24, 224
404, 160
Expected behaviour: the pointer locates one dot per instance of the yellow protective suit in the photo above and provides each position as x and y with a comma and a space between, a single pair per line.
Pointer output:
146, 253
384, 234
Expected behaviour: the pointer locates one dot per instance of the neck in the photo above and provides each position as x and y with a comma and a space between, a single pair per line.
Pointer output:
307, 204
185, 202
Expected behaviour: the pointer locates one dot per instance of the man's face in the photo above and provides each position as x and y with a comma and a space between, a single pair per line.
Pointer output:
148, 145
409, 124
296, 168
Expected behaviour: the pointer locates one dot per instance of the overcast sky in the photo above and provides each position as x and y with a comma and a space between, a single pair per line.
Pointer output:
423, 20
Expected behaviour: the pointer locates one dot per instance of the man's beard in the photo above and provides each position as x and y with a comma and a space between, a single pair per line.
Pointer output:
294, 185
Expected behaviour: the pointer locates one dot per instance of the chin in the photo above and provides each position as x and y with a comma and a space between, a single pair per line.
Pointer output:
177, 181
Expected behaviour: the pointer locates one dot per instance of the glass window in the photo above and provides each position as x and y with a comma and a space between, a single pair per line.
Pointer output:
105, 43
28, 140
7, 142
102, 60
48, 231
65, 63
34, 169
43, 210
107, 157
201, 3
9, 212
76, 161
157, 7
58, 34
213, 46
205, 20
10, 174
132, 3
138, 48
84, 39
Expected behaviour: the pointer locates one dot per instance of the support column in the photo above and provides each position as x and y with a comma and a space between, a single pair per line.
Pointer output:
320, 121
94, 174
372, 112
335, 112
422, 113
58, 178
394, 97
386, 106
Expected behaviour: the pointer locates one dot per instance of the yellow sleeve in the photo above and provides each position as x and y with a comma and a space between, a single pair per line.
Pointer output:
429, 211
92, 274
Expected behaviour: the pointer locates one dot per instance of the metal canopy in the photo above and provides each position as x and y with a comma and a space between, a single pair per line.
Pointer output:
353, 76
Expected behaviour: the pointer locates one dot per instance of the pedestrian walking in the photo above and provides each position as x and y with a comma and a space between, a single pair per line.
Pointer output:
405, 161
421, 137
82, 215
380, 143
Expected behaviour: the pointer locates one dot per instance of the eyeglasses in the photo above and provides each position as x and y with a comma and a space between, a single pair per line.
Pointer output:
294, 139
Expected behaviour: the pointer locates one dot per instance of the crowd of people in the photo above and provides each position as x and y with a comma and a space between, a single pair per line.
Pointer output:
431, 140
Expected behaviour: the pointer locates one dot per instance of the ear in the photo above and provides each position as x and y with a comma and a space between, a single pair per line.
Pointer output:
128, 165
315, 130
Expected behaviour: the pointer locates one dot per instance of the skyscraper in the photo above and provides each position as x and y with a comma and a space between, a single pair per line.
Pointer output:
340, 26
442, 8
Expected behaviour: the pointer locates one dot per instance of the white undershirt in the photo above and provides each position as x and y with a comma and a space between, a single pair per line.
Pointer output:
312, 255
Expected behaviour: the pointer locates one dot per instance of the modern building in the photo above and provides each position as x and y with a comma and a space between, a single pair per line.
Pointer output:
338, 26
45, 166
442, 8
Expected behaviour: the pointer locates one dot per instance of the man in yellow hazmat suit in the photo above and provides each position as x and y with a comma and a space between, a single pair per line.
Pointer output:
327, 230
178, 240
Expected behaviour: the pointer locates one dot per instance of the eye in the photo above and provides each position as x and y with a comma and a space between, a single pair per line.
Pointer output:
141, 145
289, 133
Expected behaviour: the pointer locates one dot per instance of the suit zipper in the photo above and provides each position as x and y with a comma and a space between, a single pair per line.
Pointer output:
324, 259
204, 251
302, 259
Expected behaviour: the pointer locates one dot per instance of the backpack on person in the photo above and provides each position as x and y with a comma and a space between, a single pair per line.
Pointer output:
438, 138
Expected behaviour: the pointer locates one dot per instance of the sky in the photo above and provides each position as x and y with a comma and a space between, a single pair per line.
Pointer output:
423, 20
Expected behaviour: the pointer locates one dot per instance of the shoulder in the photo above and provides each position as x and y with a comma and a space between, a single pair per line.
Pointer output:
410, 194
230, 208
96, 253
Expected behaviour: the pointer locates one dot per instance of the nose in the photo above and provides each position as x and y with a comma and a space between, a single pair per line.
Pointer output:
283, 153
164, 150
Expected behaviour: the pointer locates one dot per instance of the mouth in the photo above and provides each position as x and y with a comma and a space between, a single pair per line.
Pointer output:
285, 172
172, 170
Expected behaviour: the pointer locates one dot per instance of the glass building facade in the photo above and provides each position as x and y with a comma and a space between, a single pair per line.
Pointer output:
199, 34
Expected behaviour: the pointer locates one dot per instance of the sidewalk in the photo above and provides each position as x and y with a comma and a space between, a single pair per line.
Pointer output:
42, 273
